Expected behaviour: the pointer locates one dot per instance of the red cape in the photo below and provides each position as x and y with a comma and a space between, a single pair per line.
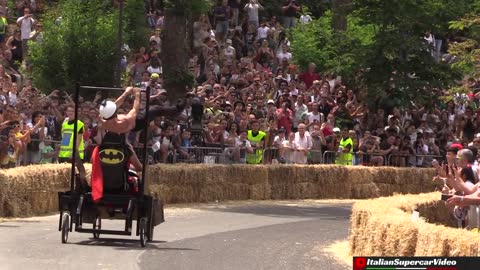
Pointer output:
97, 176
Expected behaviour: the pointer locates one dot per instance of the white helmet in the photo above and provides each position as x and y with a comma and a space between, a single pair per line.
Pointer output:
107, 109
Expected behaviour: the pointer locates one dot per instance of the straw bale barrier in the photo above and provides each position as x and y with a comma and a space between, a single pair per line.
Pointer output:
384, 227
33, 190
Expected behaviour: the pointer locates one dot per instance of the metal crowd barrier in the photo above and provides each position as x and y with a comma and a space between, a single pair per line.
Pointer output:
233, 155
403, 160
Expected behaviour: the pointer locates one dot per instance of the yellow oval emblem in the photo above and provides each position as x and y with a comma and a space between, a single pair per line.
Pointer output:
111, 156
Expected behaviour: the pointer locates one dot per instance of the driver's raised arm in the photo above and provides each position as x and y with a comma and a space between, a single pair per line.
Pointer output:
136, 104
121, 99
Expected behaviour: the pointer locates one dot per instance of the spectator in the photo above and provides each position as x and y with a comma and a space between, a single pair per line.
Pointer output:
257, 140
305, 18
3, 25
15, 45
345, 149
303, 143
26, 23
290, 10
310, 76
222, 17
318, 144
235, 8
252, 9
37, 136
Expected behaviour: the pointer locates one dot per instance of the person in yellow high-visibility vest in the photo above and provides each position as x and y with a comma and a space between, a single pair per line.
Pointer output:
345, 149
257, 140
66, 146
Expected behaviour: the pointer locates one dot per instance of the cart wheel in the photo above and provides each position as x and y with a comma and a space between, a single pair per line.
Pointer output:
143, 231
97, 225
150, 227
65, 227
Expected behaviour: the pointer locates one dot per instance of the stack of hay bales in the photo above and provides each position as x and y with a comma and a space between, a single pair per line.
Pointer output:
33, 189
384, 227
201, 183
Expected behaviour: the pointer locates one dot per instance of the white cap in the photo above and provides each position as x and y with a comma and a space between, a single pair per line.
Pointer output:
107, 109
270, 101
336, 129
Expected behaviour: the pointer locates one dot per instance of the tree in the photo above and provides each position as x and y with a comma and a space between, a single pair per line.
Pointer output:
136, 28
78, 45
382, 52
179, 16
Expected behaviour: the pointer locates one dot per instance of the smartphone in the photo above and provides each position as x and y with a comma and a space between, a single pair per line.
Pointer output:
445, 197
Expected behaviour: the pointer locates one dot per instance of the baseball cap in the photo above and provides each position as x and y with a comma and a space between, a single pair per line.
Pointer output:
154, 76
270, 101
335, 130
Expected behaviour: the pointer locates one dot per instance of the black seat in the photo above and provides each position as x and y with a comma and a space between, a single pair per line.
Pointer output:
114, 155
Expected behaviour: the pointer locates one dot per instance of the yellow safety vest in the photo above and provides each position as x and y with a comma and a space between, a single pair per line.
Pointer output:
257, 156
66, 146
345, 158
3, 25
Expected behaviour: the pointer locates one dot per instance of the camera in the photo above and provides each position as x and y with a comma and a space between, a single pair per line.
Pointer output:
445, 197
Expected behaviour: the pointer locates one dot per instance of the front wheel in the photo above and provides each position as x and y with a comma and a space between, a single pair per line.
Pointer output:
65, 227
97, 225
143, 231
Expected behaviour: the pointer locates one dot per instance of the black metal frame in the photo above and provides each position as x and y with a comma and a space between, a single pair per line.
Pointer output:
74, 202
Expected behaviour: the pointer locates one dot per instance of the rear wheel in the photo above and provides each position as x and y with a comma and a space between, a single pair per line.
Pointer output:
143, 231
65, 227
97, 225
151, 227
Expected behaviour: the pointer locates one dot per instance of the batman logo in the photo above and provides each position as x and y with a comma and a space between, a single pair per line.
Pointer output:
111, 156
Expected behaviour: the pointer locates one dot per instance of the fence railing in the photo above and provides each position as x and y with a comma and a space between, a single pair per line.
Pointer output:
217, 154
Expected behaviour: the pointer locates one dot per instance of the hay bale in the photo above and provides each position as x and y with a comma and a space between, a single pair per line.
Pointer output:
384, 227
33, 189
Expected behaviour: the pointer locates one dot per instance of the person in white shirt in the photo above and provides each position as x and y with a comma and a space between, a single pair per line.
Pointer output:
25, 23
303, 143
243, 147
12, 95
300, 109
252, 10
314, 117
288, 149
262, 31
284, 55
305, 19
229, 53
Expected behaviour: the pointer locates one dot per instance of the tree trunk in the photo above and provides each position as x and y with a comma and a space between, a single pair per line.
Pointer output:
340, 10
175, 55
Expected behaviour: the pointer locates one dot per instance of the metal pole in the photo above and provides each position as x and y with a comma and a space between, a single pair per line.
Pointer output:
74, 144
144, 138
118, 68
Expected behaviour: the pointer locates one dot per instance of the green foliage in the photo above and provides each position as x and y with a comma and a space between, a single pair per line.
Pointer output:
136, 28
79, 49
382, 53
333, 52
468, 51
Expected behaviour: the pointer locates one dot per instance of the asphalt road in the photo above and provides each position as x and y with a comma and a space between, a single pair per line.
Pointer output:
239, 235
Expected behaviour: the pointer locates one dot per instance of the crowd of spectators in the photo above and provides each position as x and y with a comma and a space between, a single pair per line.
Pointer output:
246, 77
259, 107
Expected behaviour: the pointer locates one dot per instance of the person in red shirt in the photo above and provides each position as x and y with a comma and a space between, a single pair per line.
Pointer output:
285, 116
309, 76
